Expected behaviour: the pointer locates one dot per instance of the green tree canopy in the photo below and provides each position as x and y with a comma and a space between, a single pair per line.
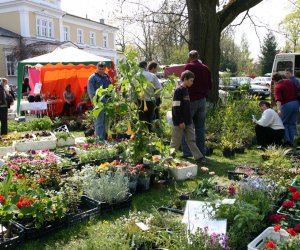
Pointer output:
268, 52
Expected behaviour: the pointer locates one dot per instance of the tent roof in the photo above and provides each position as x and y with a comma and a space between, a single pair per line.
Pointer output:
65, 56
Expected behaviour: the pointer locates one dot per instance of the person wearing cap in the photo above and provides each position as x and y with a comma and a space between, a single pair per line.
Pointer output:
97, 80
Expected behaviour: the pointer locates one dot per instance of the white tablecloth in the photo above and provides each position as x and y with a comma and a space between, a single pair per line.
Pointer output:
33, 106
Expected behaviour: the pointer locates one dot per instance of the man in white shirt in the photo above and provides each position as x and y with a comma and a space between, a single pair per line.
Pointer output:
269, 128
150, 94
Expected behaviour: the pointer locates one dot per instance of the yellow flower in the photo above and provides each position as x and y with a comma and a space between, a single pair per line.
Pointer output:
142, 94
145, 106
129, 131
109, 135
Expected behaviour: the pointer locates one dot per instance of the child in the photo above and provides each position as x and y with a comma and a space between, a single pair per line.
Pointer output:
182, 118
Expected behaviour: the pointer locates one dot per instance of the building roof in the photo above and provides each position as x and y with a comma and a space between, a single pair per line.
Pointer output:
82, 18
8, 33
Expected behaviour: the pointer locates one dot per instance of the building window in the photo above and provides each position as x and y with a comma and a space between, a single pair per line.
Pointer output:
92, 38
80, 36
105, 40
66, 33
44, 28
10, 65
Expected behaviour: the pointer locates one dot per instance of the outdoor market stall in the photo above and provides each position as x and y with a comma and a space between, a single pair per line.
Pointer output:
57, 69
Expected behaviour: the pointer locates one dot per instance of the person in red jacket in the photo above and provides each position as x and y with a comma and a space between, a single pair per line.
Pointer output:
198, 93
287, 106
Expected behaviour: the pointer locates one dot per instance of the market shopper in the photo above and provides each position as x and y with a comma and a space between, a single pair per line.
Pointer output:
182, 118
198, 93
69, 100
287, 106
269, 128
97, 80
149, 97
3, 109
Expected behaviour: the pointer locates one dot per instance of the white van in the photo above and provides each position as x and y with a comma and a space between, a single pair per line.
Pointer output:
285, 61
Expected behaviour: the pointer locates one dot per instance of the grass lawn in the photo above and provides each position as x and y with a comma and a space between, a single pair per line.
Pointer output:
77, 237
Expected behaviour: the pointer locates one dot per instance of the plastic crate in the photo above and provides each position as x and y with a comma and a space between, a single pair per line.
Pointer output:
237, 176
268, 233
105, 207
31, 232
16, 240
90, 209
295, 184
292, 220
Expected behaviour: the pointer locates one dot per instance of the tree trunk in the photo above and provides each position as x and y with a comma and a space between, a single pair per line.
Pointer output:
205, 27
204, 36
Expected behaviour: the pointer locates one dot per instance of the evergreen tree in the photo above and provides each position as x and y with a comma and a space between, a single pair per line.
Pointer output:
268, 52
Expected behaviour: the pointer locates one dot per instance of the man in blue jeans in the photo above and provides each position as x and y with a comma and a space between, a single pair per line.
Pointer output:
96, 80
198, 93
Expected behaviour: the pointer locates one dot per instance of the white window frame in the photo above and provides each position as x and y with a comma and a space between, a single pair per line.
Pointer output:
66, 33
44, 27
92, 38
80, 38
105, 40
10, 65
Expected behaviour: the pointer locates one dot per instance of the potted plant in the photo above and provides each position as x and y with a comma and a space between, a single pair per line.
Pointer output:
109, 189
64, 139
144, 178
227, 147
182, 170
10, 234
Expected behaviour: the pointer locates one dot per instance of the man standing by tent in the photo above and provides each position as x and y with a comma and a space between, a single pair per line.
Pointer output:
96, 80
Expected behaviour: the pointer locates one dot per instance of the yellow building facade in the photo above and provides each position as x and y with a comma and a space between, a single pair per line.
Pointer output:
32, 27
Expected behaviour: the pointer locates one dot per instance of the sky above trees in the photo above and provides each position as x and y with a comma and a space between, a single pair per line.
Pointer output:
268, 13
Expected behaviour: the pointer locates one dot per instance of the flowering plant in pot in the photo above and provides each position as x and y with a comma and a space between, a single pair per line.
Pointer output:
291, 206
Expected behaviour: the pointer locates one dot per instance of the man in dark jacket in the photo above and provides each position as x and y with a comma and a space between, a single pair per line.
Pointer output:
198, 93
3, 110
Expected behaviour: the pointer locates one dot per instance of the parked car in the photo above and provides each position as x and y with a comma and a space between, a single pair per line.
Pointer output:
259, 90
262, 80
235, 83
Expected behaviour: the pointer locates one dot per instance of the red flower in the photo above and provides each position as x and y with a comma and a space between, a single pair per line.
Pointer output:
275, 218
276, 228
20, 176
41, 180
23, 202
19, 204
291, 231
297, 228
288, 204
270, 244
231, 189
296, 195
293, 189
2, 199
